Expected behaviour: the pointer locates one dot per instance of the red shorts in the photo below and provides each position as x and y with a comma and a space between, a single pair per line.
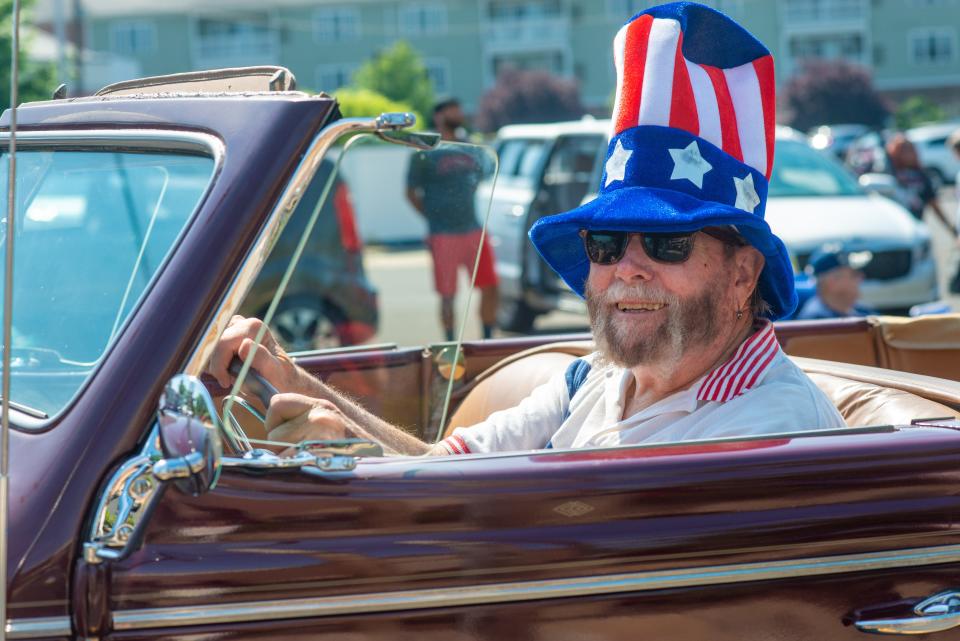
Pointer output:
451, 251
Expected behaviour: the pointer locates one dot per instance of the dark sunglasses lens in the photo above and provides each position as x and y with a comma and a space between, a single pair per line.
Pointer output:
668, 248
604, 247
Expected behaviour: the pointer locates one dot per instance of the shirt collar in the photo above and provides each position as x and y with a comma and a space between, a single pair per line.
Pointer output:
742, 370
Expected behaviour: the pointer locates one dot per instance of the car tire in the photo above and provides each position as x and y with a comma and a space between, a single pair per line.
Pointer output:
304, 323
514, 315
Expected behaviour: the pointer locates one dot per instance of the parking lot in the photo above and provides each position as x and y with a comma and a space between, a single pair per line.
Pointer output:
409, 306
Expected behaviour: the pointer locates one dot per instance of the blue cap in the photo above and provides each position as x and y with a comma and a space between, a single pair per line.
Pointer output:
829, 258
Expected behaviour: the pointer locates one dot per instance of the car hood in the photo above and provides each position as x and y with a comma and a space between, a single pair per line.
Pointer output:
807, 222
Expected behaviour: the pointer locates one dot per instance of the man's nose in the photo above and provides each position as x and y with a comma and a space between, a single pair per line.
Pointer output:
635, 264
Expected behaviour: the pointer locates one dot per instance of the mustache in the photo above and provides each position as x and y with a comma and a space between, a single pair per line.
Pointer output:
620, 291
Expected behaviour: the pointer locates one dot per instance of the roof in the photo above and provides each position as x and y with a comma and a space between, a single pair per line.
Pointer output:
933, 130
550, 130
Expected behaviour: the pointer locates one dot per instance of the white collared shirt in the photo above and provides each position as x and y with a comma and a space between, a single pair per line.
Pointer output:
758, 390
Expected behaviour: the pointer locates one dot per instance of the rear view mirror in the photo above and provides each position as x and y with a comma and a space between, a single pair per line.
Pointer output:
883, 184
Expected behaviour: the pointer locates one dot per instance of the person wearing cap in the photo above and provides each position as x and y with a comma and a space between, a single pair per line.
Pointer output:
681, 273
441, 186
838, 275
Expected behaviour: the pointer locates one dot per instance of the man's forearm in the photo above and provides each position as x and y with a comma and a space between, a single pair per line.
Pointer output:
363, 423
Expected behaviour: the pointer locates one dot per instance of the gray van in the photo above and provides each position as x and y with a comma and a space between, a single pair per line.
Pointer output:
544, 169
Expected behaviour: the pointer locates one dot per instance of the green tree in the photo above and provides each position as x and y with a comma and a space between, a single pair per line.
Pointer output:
37, 79
363, 103
399, 74
917, 110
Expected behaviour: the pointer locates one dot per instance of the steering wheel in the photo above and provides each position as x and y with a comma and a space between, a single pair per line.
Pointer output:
254, 384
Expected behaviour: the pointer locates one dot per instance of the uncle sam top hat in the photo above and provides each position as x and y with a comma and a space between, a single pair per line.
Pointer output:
692, 144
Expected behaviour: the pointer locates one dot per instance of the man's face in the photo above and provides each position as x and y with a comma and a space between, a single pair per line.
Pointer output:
451, 116
644, 312
841, 286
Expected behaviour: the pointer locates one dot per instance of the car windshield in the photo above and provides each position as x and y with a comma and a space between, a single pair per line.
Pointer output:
91, 230
383, 234
802, 171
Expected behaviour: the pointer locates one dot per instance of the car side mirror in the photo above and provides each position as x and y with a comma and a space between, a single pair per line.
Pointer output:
883, 184
189, 436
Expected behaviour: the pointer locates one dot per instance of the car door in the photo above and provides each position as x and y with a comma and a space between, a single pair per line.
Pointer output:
792, 537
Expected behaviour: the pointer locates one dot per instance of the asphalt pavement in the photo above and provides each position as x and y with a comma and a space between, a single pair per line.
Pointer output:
409, 307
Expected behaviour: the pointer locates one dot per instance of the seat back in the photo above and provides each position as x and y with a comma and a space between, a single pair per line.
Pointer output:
866, 396
927, 345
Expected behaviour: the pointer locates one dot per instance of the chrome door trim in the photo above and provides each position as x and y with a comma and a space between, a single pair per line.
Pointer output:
39, 627
406, 600
98, 139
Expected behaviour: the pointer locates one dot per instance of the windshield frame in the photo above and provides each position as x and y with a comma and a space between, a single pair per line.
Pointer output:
123, 141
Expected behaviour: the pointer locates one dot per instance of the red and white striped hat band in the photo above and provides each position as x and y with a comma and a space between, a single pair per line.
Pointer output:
730, 106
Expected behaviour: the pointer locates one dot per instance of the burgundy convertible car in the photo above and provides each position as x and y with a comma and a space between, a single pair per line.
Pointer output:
143, 509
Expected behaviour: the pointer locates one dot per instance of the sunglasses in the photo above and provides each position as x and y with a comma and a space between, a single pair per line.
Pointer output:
608, 247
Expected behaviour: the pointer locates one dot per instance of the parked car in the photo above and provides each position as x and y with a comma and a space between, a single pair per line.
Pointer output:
812, 201
544, 169
137, 511
940, 163
328, 301
836, 138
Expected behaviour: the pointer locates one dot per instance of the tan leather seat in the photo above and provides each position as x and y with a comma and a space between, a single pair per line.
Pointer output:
861, 402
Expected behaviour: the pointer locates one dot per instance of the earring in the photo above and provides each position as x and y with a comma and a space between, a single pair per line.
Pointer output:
739, 314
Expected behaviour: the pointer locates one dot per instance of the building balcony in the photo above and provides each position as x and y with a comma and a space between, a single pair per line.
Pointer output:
524, 34
824, 14
213, 52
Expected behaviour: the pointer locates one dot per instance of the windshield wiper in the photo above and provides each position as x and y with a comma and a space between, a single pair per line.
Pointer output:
29, 411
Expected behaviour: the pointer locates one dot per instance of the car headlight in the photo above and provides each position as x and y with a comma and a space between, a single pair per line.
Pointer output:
922, 250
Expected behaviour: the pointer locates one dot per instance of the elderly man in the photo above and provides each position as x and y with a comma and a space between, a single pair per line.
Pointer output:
681, 274
838, 275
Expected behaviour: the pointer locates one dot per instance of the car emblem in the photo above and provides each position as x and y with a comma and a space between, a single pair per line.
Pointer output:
573, 508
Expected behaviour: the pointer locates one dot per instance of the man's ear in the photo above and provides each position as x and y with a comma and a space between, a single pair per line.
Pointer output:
749, 263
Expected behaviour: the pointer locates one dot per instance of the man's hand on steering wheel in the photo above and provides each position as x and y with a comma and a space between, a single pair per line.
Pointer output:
293, 418
270, 360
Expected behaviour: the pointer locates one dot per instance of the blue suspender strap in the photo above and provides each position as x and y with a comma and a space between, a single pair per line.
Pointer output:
576, 374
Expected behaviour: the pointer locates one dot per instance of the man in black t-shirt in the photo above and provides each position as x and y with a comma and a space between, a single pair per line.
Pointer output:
441, 185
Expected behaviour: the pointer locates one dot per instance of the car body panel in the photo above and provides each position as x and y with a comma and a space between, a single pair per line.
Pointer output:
646, 514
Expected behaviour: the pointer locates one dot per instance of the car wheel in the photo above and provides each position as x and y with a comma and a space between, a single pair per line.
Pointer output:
303, 323
514, 315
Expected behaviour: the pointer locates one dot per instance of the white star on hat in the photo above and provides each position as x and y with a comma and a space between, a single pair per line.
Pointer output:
747, 198
616, 166
689, 164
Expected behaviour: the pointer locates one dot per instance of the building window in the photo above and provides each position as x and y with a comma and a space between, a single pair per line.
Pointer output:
848, 47
552, 61
933, 46
423, 19
818, 10
336, 24
133, 37
624, 9
438, 71
234, 37
331, 77
512, 10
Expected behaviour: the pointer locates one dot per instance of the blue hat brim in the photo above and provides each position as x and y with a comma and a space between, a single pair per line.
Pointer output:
640, 209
